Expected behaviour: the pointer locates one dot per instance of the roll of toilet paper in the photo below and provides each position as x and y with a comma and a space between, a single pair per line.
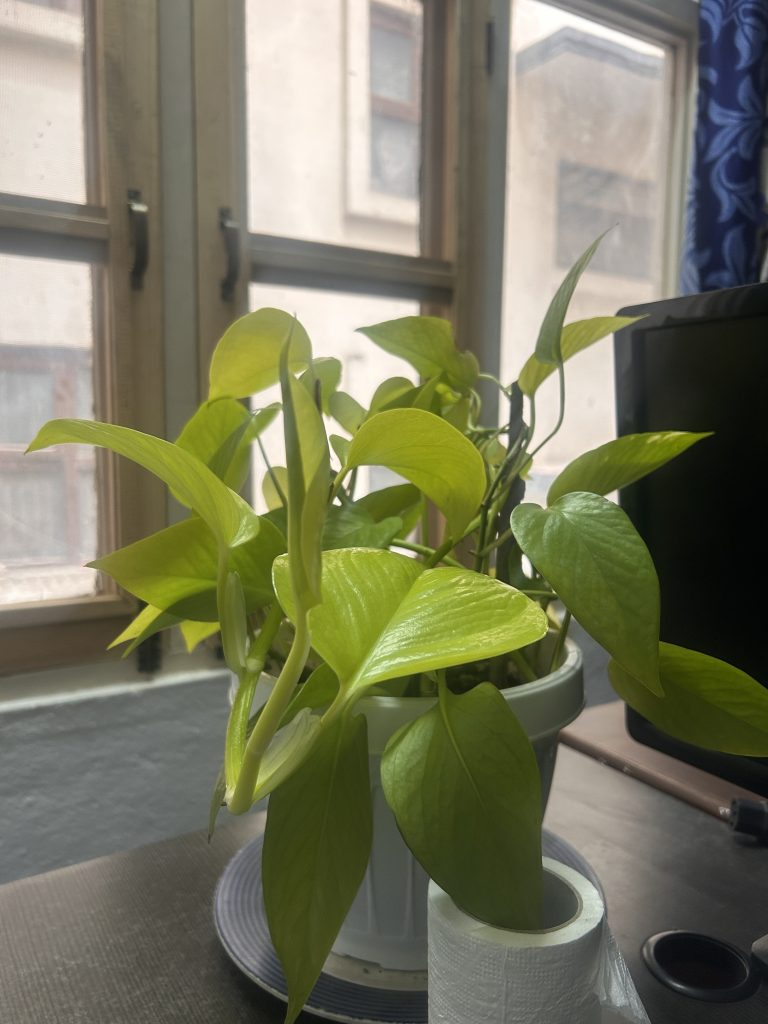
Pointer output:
484, 975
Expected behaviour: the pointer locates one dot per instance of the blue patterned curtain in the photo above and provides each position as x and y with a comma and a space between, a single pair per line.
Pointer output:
726, 209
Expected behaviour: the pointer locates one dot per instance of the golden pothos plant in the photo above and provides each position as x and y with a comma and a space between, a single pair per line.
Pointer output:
332, 589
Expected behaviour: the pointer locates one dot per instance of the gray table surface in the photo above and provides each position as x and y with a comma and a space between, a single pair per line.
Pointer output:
129, 939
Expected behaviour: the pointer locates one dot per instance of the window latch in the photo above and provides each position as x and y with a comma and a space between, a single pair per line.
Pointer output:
138, 215
231, 231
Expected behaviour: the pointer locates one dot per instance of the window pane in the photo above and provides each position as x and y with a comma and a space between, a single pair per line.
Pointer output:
42, 99
48, 508
334, 112
588, 137
332, 319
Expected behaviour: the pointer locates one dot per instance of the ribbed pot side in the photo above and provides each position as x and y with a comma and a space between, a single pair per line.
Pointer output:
387, 923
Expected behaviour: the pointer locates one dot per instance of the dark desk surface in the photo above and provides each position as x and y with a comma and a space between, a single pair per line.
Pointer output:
128, 939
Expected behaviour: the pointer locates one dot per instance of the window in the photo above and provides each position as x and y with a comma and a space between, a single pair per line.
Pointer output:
592, 137
350, 162
71, 331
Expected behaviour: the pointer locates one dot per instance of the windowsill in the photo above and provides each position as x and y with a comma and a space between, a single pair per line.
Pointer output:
103, 679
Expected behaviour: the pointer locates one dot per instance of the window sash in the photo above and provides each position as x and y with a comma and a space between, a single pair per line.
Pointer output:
127, 352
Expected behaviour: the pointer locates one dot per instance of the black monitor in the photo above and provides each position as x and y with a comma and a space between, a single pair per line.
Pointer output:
701, 363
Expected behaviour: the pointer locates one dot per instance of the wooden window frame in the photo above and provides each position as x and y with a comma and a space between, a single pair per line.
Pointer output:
122, 146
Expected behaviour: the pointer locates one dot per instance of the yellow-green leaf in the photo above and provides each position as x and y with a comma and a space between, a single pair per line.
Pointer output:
230, 518
548, 343
590, 553
621, 462
176, 569
246, 359
313, 862
479, 838
575, 337
430, 453
706, 702
426, 342
308, 476
384, 616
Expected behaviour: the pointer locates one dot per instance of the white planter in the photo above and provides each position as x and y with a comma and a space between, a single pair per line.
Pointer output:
387, 923
479, 974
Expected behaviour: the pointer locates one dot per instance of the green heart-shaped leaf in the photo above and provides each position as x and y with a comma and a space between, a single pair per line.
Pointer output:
477, 836
575, 337
176, 569
426, 342
230, 518
384, 615
321, 380
591, 554
388, 394
247, 358
346, 411
215, 435
430, 453
706, 702
313, 862
144, 625
349, 526
548, 343
621, 462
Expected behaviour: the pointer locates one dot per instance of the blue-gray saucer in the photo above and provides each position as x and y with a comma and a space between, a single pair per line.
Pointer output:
375, 996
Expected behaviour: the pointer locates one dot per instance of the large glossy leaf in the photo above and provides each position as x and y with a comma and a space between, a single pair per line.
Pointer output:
430, 453
314, 861
621, 462
274, 487
384, 615
706, 702
321, 380
230, 518
575, 337
246, 359
176, 569
318, 692
195, 632
346, 410
426, 342
548, 348
289, 748
349, 526
233, 622
144, 625
403, 500
388, 393
215, 434
464, 786
588, 550
308, 478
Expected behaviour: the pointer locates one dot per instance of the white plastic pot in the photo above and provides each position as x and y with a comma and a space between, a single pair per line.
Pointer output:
387, 923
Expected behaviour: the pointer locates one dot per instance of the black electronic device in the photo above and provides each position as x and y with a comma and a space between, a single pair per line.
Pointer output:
700, 363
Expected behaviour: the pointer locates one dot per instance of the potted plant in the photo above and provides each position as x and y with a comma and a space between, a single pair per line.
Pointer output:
331, 590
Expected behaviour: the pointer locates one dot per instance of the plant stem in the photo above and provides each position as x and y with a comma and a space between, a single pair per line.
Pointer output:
271, 715
271, 473
496, 543
337, 482
561, 414
440, 553
237, 726
422, 549
557, 650
425, 526
522, 665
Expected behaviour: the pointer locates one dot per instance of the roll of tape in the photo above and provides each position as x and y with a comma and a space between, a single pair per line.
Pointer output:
479, 974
